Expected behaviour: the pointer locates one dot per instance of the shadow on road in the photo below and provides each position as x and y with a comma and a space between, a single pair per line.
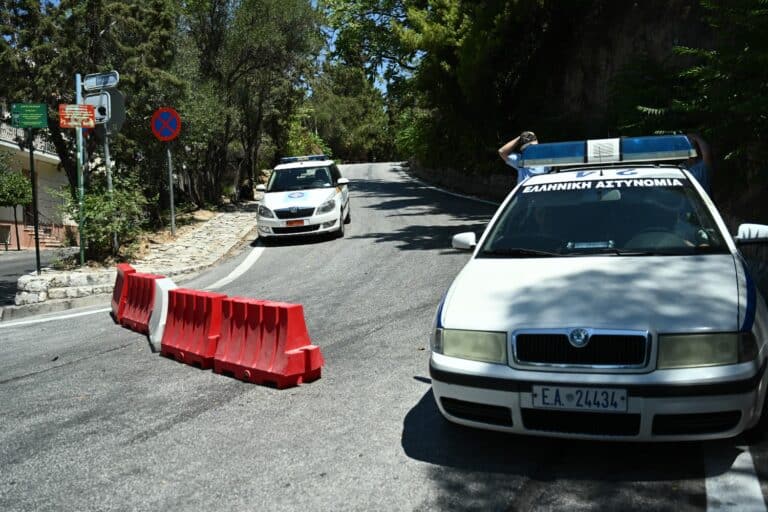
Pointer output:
486, 470
411, 199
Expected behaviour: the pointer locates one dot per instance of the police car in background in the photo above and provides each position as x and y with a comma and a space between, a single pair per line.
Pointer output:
304, 195
605, 300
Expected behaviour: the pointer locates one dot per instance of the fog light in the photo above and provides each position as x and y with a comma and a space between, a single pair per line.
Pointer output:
325, 225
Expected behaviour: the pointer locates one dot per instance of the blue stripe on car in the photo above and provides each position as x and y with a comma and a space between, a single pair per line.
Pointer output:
440, 313
749, 315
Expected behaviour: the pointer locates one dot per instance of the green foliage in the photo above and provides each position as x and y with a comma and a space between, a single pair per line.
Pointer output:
15, 189
123, 212
349, 114
302, 140
729, 81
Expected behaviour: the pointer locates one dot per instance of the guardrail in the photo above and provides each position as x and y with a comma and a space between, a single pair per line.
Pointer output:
10, 134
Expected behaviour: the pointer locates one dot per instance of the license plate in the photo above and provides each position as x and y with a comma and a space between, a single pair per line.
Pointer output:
580, 399
292, 223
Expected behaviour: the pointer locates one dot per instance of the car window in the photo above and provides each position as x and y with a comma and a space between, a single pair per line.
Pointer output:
645, 216
299, 179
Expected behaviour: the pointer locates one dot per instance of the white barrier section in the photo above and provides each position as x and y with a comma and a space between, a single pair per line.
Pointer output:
160, 310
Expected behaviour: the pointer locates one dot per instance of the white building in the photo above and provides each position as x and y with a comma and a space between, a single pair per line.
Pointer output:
52, 225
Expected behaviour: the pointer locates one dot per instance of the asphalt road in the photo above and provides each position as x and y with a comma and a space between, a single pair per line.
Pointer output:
92, 419
17, 263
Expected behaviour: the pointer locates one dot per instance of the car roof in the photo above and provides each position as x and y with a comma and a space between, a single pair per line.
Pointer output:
304, 164
610, 173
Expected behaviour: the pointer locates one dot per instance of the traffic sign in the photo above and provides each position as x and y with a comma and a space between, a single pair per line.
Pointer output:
116, 111
102, 105
166, 124
76, 116
29, 115
98, 81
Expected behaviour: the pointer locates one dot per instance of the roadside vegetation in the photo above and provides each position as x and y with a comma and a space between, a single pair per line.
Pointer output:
440, 82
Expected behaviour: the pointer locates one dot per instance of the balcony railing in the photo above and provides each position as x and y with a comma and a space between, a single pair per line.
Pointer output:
10, 134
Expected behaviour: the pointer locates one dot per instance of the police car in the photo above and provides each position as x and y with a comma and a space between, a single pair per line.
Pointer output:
304, 195
605, 300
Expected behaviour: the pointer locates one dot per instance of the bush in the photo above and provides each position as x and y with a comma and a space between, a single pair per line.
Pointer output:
124, 212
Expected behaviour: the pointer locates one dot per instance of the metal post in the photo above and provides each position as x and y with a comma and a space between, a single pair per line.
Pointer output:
35, 220
170, 189
109, 180
80, 188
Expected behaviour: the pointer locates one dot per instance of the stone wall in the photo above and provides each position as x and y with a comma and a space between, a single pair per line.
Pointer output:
491, 186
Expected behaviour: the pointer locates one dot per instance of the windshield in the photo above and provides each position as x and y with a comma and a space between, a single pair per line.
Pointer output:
299, 179
632, 217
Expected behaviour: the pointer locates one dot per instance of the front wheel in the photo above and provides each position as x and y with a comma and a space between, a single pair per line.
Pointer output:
348, 218
340, 232
757, 433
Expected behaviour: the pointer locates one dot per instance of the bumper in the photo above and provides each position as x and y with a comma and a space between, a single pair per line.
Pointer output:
317, 224
500, 398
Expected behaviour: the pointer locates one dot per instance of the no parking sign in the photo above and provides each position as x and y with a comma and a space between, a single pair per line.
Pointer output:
166, 124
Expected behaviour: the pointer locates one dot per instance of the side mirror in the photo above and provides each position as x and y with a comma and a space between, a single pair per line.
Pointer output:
752, 234
343, 181
464, 241
261, 188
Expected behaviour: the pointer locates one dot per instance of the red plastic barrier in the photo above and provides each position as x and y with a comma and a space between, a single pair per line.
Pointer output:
192, 327
266, 342
120, 291
139, 301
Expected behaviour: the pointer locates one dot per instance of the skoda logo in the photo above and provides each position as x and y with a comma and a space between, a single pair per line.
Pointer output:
294, 209
578, 337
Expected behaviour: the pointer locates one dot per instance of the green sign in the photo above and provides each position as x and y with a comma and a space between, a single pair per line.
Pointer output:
29, 115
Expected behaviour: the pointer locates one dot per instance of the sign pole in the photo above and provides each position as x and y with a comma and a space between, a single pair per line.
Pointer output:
80, 188
170, 188
109, 181
30, 141
166, 126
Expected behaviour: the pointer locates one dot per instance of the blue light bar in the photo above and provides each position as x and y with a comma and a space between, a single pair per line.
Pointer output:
304, 158
656, 148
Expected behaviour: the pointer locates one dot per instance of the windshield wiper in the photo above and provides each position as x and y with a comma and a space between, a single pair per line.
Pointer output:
613, 250
519, 251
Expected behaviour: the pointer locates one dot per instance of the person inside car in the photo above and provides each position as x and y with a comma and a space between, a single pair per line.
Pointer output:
510, 153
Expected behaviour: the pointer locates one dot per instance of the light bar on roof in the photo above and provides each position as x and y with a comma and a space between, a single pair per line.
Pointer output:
303, 158
608, 151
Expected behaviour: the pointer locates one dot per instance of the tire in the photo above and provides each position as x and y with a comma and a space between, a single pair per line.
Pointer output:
348, 218
757, 433
340, 232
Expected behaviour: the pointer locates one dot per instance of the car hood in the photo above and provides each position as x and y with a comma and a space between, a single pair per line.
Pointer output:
661, 293
298, 198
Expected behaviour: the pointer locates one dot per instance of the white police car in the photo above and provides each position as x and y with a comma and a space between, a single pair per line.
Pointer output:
304, 195
605, 302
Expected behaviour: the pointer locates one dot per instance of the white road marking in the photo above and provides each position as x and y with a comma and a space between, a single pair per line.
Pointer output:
454, 194
52, 318
734, 488
241, 269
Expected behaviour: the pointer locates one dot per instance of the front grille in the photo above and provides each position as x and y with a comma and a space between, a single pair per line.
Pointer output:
699, 423
472, 411
590, 423
297, 229
289, 213
602, 350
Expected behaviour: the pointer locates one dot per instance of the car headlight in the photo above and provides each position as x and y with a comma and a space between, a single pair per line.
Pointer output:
327, 206
693, 350
263, 211
489, 347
